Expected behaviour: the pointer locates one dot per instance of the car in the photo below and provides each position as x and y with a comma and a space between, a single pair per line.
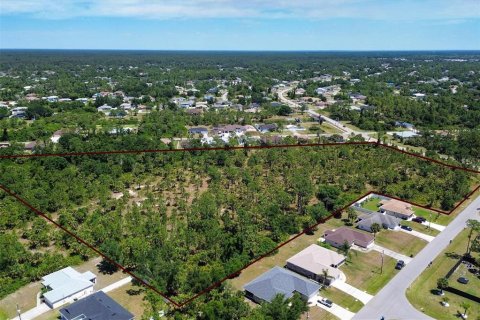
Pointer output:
326, 302
463, 280
400, 264
404, 227
419, 219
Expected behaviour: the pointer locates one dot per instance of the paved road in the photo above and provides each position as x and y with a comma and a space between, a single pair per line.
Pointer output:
391, 301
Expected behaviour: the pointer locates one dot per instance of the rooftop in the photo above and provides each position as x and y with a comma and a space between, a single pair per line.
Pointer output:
315, 259
66, 282
280, 281
97, 306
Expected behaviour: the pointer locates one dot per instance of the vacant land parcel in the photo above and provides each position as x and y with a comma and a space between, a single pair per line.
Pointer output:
184, 220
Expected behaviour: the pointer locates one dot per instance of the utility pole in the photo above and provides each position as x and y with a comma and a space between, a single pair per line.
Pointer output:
381, 269
18, 312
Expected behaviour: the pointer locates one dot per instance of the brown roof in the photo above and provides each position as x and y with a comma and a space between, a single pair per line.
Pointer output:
351, 236
397, 206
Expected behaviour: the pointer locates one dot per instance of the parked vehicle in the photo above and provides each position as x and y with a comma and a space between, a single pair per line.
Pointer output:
404, 227
400, 264
326, 302
463, 280
419, 219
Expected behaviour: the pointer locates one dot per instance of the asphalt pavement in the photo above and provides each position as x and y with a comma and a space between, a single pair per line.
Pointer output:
391, 301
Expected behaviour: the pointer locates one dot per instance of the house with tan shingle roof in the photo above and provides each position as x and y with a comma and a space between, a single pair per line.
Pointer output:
397, 208
340, 236
315, 261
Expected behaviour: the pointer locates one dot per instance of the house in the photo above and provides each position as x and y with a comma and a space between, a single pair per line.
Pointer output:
397, 208
384, 220
264, 128
300, 92
340, 236
57, 135
67, 285
195, 112
419, 95
97, 306
230, 128
18, 112
404, 124
314, 261
105, 109
280, 281
198, 130
275, 104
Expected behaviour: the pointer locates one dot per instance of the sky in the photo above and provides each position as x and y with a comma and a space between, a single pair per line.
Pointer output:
241, 24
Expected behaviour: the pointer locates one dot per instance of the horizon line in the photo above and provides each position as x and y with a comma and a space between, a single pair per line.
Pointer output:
244, 50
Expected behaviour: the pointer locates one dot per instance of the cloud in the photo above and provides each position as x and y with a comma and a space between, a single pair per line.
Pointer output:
392, 10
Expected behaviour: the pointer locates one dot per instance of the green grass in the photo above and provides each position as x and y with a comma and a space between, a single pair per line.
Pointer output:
371, 204
363, 270
473, 286
3, 315
442, 219
421, 228
400, 242
342, 299
420, 292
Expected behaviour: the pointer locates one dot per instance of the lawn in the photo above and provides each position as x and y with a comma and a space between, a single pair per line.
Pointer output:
317, 313
420, 292
342, 299
473, 285
371, 204
435, 217
131, 298
400, 242
284, 253
421, 228
363, 270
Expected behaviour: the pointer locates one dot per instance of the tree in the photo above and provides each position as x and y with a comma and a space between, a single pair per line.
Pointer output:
474, 225
442, 283
352, 215
325, 276
345, 248
375, 227
465, 305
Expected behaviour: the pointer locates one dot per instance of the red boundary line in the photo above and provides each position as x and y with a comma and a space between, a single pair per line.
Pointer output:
216, 284
37, 155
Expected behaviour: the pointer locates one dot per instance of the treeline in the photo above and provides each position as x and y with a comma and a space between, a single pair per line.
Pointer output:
187, 219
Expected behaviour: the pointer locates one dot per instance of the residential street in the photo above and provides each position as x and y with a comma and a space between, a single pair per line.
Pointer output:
391, 301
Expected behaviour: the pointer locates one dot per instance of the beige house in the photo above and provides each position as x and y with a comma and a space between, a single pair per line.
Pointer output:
397, 208
315, 262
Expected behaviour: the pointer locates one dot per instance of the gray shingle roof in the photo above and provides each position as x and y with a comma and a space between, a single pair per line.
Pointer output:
97, 306
280, 281
383, 220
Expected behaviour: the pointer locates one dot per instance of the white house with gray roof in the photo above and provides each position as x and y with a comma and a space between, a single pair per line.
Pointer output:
280, 281
67, 285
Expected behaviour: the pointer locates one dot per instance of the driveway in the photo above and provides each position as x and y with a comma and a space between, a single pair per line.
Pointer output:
34, 312
420, 235
391, 301
351, 290
390, 253
435, 226
336, 310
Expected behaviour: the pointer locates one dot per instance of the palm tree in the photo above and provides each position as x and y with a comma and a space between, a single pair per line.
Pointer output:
375, 227
325, 276
474, 225
465, 305
442, 283
352, 215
